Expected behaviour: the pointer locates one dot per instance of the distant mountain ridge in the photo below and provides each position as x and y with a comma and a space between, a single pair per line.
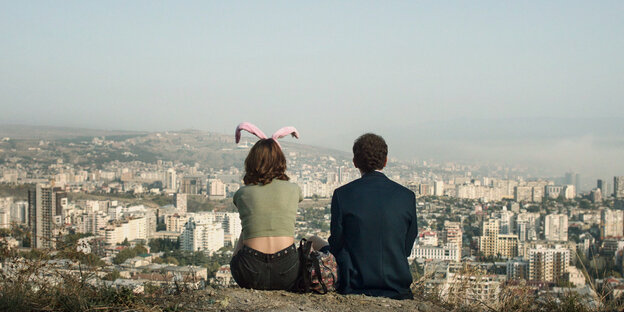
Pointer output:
188, 145
53, 132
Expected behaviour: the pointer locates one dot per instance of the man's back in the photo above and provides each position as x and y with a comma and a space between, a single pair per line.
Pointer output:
373, 228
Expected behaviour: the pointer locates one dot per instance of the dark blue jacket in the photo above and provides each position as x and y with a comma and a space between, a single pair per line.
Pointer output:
373, 228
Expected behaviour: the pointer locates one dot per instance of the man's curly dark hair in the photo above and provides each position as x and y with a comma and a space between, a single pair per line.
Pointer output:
370, 152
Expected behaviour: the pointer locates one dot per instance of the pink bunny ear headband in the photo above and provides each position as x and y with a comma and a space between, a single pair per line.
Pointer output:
257, 132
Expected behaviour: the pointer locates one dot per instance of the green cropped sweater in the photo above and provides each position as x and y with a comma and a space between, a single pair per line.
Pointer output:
268, 210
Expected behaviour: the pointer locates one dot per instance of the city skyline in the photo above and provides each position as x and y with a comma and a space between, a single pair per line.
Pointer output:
586, 169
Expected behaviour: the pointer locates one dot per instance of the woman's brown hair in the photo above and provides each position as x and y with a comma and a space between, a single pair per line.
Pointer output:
264, 163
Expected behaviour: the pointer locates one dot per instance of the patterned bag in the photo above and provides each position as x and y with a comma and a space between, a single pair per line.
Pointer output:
318, 270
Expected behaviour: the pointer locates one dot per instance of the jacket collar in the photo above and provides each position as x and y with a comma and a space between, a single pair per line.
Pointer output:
374, 173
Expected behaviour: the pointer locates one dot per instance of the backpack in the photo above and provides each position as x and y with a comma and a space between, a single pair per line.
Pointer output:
318, 271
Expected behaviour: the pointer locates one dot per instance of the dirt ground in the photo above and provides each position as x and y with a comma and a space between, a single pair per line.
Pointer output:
236, 299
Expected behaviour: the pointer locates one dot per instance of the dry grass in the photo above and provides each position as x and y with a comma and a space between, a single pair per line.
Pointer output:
35, 281
32, 282
461, 294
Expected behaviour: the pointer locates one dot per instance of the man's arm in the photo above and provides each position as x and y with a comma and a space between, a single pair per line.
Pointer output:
336, 238
412, 231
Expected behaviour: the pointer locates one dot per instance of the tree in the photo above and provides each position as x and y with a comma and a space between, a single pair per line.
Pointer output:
156, 185
163, 244
158, 260
584, 204
112, 276
172, 260
22, 233
128, 253
5, 232
70, 241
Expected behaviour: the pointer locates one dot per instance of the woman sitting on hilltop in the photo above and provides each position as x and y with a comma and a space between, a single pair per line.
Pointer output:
265, 256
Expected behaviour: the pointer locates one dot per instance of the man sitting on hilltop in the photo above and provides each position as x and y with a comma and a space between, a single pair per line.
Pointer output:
373, 227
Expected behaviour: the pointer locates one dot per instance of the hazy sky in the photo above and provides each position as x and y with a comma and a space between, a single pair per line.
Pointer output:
409, 70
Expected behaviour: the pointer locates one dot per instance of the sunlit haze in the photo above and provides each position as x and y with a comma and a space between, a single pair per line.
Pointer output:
528, 84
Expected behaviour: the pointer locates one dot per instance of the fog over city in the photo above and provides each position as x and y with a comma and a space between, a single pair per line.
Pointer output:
524, 84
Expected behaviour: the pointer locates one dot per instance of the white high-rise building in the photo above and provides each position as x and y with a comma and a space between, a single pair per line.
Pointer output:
5, 212
473, 191
438, 188
523, 193
41, 211
97, 205
492, 243
181, 201
548, 264
93, 222
612, 223
171, 181
603, 187
517, 269
453, 237
489, 238
618, 187
314, 187
522, 229
204, 216
473, 285
115, 213
5, 218
130, 229
19, 212
151, 222
556, 227
506, 221
175, 222
202, 236
231, 224
569, 191
234, 227
216, 189
554, 191
527, 226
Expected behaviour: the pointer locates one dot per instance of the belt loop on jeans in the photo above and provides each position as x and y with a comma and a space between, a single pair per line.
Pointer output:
269, 257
